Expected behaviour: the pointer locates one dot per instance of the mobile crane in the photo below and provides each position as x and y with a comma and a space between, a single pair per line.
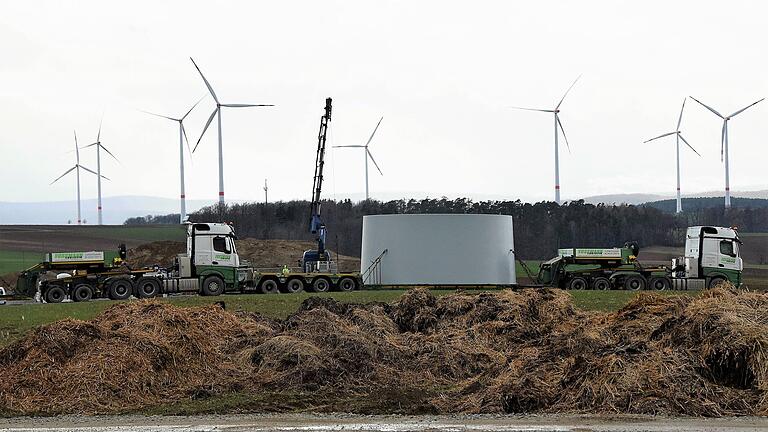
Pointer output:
319, 260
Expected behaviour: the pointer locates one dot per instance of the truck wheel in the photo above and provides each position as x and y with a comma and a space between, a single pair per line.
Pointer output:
715, 281
147, 287
634, 283
293, 286
578, 283
120, 289
55, 294
601, 284
347, 284
82, 293
213, 286
660, 283
268, 286
320, 285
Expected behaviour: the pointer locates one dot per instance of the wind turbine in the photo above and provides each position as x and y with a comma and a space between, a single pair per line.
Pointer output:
558, 124
724, 144
678, 137
99, 147
367, 154
217, 111
77, 169
182, 137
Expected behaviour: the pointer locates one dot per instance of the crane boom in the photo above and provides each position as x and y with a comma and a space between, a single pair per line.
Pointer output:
316, 225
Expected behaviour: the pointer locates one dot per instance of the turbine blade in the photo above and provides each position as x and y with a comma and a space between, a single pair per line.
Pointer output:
532, 109
89, 145
159, 115
65, 173
722, 140
563, 131
566, 92
374, 161
350, 146
374, 132
245, 105
208, 123
660, 136
98, 135
193, 107
110, 153
92, 171
705, 106
680, 119
689, 146
746, 107
184, 131
207, 84
77, 149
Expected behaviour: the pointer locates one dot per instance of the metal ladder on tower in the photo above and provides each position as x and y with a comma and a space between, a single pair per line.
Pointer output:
372, 275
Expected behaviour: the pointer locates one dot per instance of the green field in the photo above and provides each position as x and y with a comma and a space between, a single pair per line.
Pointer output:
13, 261
16, 320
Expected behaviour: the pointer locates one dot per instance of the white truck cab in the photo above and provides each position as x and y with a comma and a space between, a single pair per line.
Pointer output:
712, 254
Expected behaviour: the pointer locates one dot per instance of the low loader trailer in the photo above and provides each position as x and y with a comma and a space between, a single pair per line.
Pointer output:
210, 266
711, 257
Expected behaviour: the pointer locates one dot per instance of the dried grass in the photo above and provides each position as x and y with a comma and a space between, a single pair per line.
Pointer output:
526, 351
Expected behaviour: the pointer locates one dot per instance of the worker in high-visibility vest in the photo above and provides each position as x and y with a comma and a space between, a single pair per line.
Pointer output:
285, 270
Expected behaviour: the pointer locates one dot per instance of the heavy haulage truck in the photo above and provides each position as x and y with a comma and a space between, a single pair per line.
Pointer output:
210, 266
711, 257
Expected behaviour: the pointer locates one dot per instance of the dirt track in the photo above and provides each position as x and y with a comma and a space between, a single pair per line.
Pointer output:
325, 423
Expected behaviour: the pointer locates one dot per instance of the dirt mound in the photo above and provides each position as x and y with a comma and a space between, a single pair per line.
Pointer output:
526, 351
260, 253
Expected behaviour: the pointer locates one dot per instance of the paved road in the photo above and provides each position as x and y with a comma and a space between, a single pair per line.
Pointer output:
332, 423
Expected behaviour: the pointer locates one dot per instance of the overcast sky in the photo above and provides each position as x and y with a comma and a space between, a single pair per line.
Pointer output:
442, 74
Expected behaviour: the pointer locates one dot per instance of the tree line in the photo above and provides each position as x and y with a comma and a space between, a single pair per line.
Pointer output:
540, 228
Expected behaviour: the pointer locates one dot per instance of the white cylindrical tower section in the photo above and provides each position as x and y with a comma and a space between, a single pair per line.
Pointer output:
438, 249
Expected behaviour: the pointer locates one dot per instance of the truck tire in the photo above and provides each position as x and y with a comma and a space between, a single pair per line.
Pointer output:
577, 284
82, 293
320, 285
601, 284
346, 284
147, 287
268, 286
213, 286
55, 294
634, 283
715, 281
120, 289
293, 286
660, 283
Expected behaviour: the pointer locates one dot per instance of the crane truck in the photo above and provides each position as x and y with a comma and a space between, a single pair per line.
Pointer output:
711, 257
211, 266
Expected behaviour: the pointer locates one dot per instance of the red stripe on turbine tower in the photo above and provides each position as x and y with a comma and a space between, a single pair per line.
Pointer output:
221, 193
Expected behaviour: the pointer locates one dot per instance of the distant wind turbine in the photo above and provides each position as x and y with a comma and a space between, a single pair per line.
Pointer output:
182, 138
724, 144
217, 111
558, 124
77, 169
678, 136
99, 147
367, 154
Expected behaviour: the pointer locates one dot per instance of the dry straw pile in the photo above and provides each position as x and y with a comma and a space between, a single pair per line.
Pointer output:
527, 351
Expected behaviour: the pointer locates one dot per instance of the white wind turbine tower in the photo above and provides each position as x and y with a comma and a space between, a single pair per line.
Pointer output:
217, 111
77, 169
367, 154
99, 147
724, 144
558, 124
678, 137
182, 138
